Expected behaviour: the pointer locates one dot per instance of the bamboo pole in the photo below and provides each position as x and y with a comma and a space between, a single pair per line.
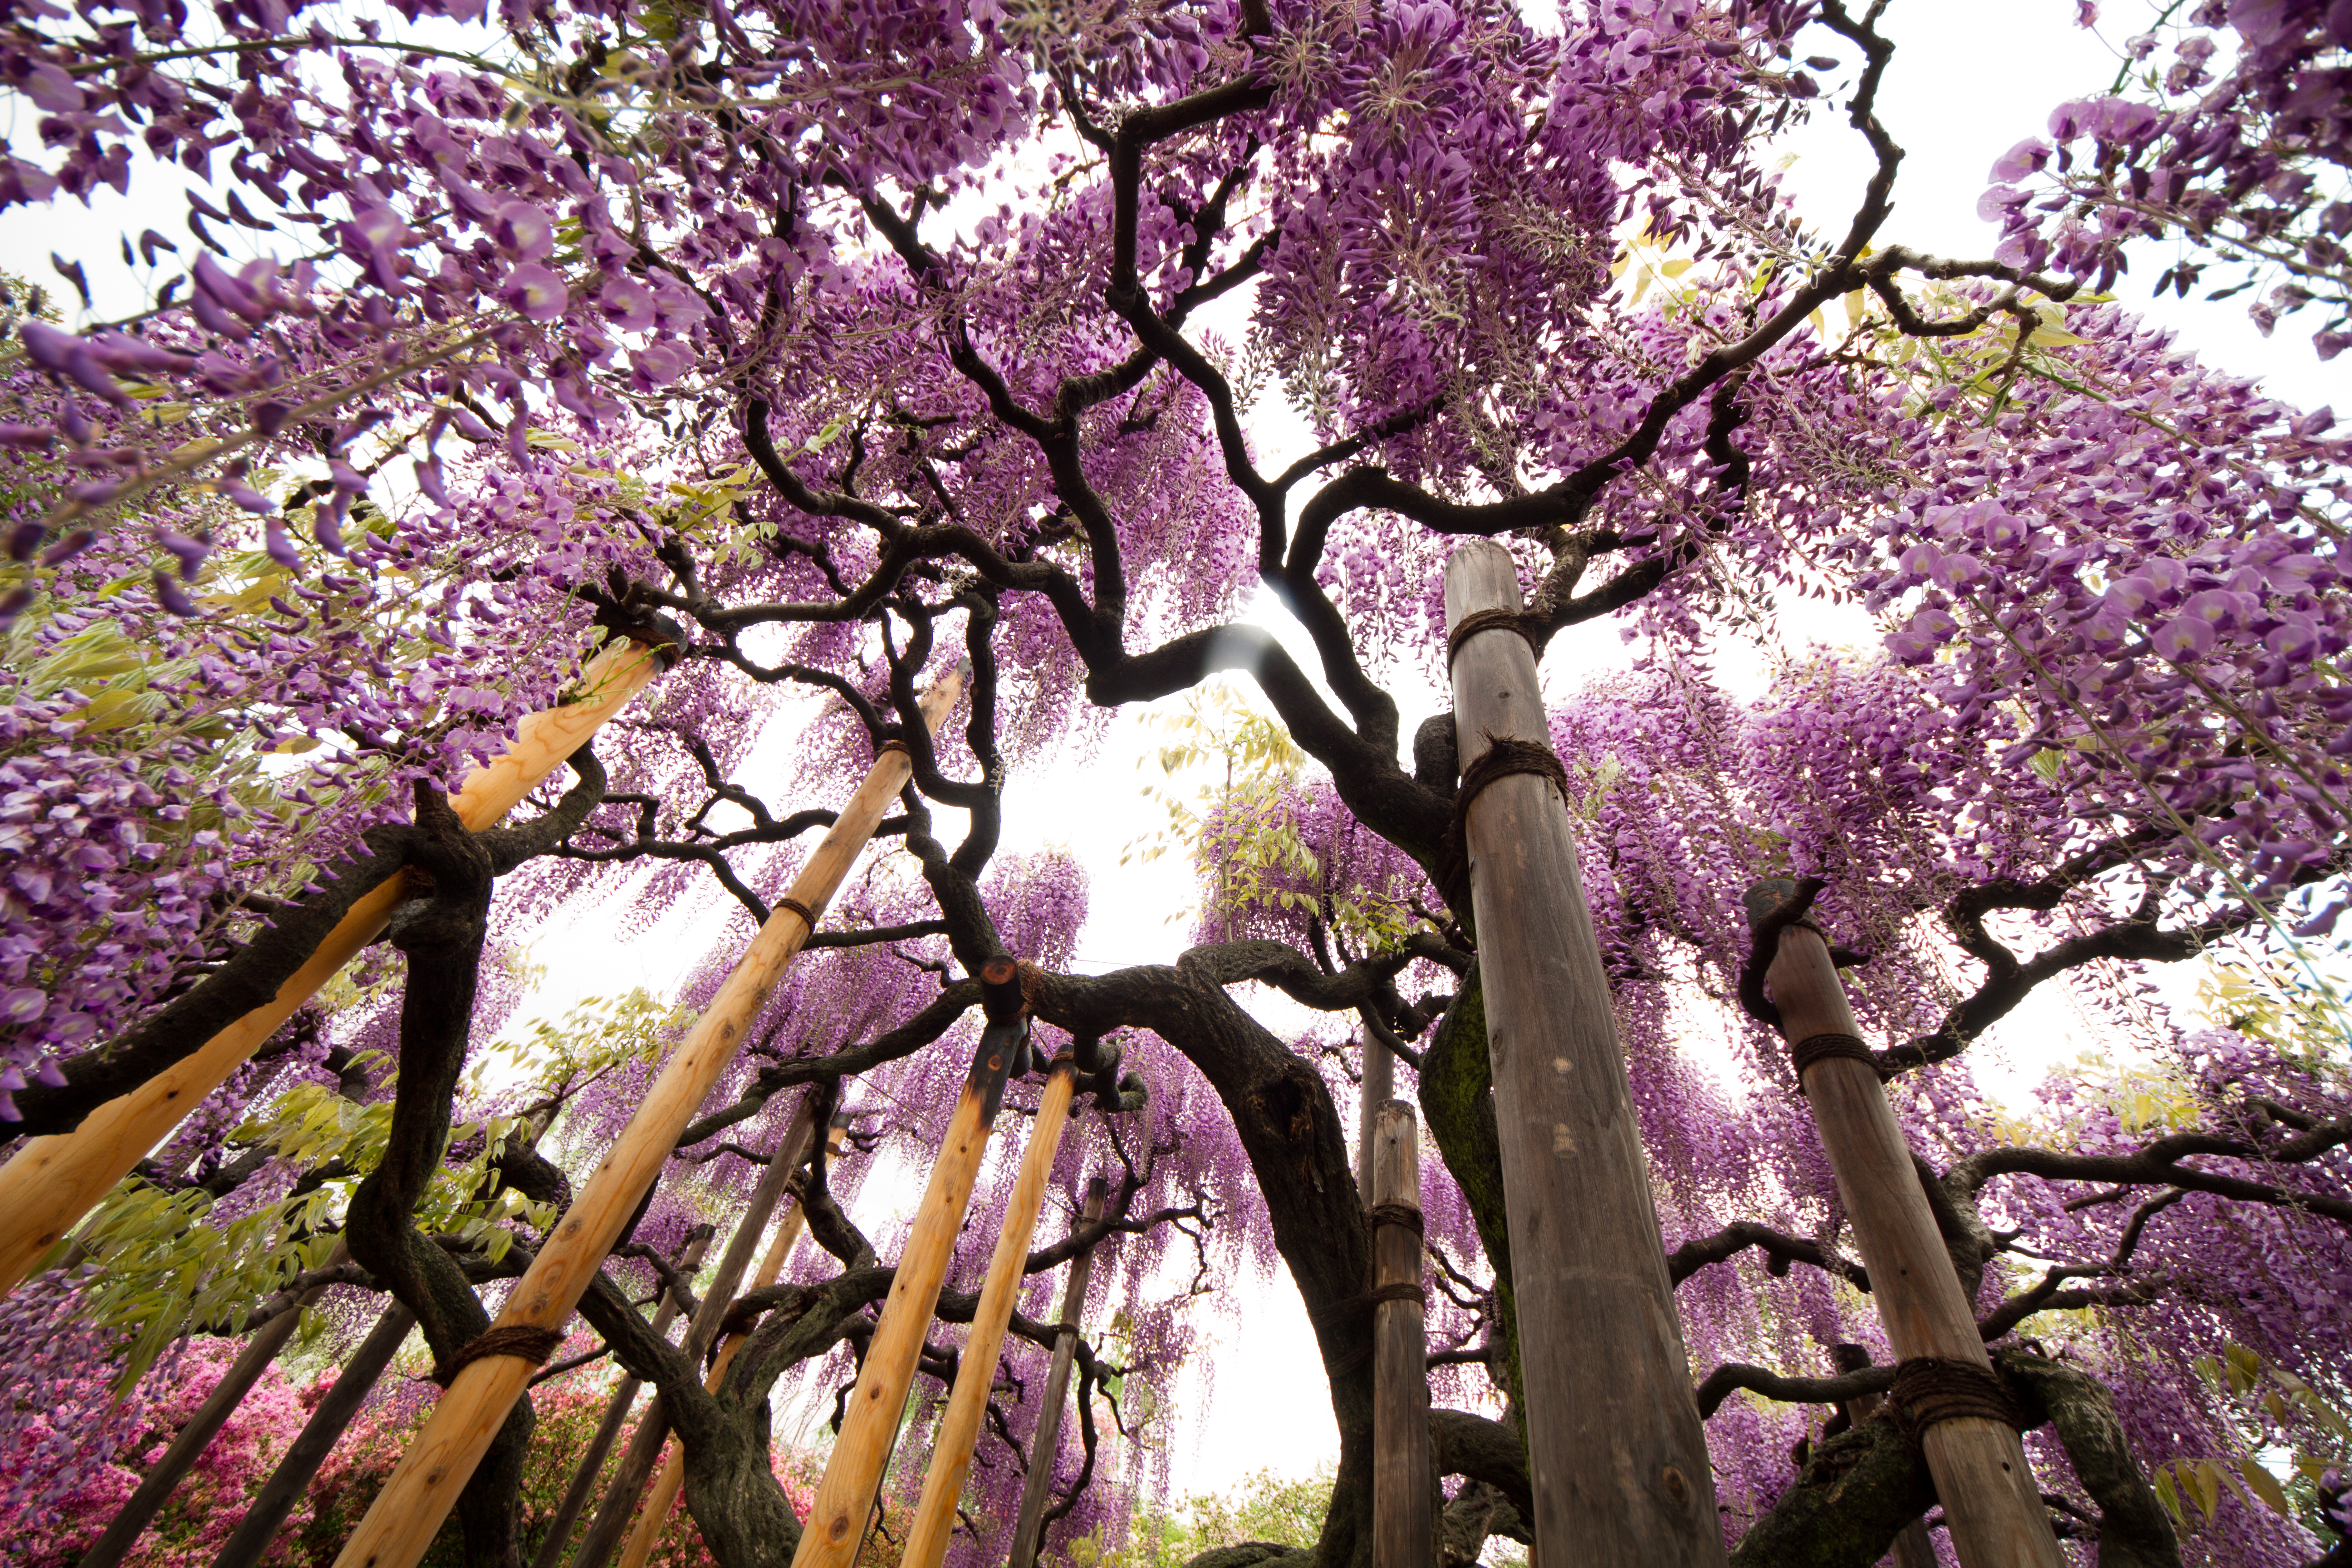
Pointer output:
1913, 1546
52, 1182
195, 1434
1405, 1522
608, 1431
644, 1449
1029, 1531
1617, 1454
654, 1517
441, 1460
1378, 1088
959, 1433
868, 1430
1996, 1512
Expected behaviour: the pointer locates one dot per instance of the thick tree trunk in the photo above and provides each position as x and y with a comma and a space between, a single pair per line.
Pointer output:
1997, 1516
422, 1490
1029, 1528
1622, 1476
52, 1182
935, 1512
195, 1435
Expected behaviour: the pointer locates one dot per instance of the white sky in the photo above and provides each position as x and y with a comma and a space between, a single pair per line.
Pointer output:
1967, 83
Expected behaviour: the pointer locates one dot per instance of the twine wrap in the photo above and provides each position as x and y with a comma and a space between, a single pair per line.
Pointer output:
1476, 621
522, 1341
1405, 1214
1822, 1047
1503, 755
1929, 1389
889, 746
800, 909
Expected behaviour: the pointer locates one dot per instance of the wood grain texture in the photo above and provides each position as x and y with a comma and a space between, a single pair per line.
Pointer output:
643, 1454
959, 1433
52, 1182
1378, 1088
441, 1458
1404, 1519
1029, 1524
1995, 1509
1619, 1457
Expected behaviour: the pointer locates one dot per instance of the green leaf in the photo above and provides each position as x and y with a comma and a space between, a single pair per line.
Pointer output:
2266, 1486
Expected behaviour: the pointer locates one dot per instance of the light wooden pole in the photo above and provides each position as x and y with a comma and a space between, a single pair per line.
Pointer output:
195, 1434
1028, 1532
1913, 1546
959, 1433
1995, 1509
870, 1425
1618, 1456
441, 1458
52, 1182
1404, 1524
1378, 1087
650, 1523
644, 1449
608, 1431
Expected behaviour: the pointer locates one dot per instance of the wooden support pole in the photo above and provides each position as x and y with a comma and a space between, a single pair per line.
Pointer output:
654, 1517
1997, 1516
1404, 1519
188, 1444
1379, 1088
1029, 1529
608, 1431
644, 1449
440, 1461
959, 1433
316, 1439
870, 1428
52, 1182
1913, 1546
1618, 1456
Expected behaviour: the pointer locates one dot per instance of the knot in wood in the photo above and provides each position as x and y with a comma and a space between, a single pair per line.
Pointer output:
1928, 1390
523, 1342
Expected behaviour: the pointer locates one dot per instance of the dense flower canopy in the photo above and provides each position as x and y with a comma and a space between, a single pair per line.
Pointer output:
831, 348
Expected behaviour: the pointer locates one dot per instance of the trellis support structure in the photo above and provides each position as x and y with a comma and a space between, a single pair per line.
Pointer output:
1405, 1518
53, 1181
1029, 1529
1944, 1380
441, 1458
959, 1433
869, 1424
1617, 1454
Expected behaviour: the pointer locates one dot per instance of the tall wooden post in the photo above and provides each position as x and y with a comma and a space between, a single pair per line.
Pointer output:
870, 1425
1913, 1546
52, 1182
1379, 1088
422, 1490
1028, 1533
959, 1433
1404, 1522
1997, 1516
1619, 1458
608, 1431
316, 1439
195, 1434
655, 1514
644, 1449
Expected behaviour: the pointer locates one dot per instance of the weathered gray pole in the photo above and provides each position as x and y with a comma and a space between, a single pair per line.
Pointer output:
1944, 1378
197, 1433
316, 1439
1404, 1522
1379, 1087
1030, 1525
608, 1431
644, 1452
1619, 1458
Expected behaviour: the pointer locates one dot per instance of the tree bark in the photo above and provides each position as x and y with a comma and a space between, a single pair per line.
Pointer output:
1029, 1529
1620, 1460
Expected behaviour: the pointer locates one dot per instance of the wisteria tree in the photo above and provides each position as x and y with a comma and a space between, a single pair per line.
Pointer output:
822, 347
